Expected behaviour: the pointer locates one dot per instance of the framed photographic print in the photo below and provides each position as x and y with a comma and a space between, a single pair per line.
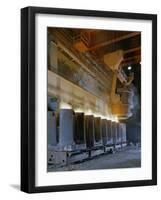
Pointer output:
88, 99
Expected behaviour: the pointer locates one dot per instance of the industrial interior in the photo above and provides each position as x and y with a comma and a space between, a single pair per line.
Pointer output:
94, 98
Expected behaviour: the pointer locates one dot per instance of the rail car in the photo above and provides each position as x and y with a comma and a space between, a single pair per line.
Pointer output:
75, 137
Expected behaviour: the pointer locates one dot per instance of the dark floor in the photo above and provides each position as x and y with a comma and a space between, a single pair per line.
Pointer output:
128, 157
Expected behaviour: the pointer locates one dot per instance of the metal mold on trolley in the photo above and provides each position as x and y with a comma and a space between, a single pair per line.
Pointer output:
75, 137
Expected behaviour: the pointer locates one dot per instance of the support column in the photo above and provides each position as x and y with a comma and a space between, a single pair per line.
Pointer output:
51, 127
66, 136
89, 128
97, 131
79, 131
124, 138
114, 132
104, 131
109, 132
119, 133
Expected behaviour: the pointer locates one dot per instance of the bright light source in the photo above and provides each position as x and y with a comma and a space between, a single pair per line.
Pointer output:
64, 105
129, 68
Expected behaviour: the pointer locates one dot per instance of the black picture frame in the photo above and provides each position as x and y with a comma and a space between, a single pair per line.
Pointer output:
28, 98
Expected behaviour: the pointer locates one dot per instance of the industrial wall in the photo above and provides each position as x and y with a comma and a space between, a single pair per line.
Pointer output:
70, 95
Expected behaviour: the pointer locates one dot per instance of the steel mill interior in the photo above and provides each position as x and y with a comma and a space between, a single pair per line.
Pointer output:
94, 96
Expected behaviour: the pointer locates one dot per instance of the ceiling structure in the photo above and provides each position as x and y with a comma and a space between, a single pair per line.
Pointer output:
100, 42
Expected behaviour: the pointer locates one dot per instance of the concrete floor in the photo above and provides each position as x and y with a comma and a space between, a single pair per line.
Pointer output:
128, 157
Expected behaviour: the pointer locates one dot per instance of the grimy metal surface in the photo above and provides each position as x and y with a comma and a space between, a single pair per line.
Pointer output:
51, 128
104, 131
97, 129
114, 132
79, 133
109, 132
66, 133
119, 133
89, 125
